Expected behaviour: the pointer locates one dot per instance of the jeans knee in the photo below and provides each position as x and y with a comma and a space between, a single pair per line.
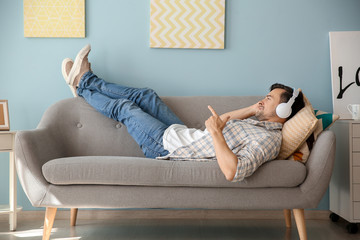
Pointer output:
119, 109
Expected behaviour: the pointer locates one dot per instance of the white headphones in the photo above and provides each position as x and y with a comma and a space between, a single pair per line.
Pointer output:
283, 110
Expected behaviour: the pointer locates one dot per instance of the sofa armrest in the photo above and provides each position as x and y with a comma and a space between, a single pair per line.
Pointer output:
33, 148
319, 168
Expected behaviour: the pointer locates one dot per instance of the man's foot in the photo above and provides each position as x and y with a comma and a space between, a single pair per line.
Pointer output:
66, 66
80, 67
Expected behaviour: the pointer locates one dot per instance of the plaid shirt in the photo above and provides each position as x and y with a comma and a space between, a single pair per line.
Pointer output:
253, 142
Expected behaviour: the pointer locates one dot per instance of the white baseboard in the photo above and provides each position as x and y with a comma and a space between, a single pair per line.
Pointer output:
168, 214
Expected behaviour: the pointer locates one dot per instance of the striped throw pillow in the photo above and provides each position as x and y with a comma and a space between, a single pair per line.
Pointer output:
325, 121
296, 130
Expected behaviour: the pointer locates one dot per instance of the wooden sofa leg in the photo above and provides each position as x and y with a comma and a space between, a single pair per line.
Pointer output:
300, 223
287, 215
73, 217
49, 221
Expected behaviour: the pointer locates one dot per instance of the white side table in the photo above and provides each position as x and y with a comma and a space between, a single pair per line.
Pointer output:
7, 144
345, 180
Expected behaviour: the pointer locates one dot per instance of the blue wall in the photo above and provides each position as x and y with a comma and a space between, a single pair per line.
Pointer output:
266, 41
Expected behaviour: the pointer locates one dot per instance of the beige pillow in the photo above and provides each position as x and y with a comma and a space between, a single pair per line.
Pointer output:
325, 121
296, 130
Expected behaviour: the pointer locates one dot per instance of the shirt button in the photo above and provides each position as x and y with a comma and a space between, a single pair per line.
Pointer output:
118, 125
79, 125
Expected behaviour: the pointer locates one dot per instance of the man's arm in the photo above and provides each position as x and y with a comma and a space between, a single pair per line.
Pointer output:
227, 160
241, 113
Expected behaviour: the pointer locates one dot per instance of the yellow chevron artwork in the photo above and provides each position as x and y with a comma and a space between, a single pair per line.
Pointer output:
54, 18
187, 24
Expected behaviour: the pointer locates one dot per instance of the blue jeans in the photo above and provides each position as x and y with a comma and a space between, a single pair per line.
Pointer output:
144, 114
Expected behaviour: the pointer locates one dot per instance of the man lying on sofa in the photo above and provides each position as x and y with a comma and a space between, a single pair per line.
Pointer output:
239, 144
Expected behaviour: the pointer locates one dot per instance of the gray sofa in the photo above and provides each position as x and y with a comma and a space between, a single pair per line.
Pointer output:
78, 158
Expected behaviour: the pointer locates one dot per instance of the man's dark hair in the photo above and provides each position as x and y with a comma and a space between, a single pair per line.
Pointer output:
285, 97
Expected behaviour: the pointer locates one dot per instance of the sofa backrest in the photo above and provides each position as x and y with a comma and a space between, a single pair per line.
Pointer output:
82, 131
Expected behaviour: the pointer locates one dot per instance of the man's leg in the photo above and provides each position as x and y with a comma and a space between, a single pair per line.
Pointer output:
145, 98
80, 76
146, 130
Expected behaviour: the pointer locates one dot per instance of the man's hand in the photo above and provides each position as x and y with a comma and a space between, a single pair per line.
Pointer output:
226, 159
215, 123
255, 108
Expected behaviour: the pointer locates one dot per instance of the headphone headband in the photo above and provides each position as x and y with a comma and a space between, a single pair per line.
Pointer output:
283, 110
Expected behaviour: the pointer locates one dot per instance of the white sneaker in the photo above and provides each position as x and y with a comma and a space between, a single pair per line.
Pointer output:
80, 67
66, 66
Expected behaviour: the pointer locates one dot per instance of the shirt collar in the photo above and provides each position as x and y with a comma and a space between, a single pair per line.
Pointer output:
265, 124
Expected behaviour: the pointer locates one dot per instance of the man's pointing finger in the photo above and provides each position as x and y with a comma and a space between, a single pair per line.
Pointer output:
212, 111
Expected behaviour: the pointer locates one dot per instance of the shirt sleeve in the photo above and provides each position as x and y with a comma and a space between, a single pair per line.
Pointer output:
254, 154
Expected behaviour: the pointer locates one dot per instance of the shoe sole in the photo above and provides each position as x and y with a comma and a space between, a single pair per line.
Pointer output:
66, 77
63, 69
75, 70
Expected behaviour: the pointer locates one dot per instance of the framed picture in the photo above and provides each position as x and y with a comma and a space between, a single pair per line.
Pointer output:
54, 18
198, 24
345, 71
4, 116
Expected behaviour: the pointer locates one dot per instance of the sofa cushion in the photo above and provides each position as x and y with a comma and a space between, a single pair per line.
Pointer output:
135, 171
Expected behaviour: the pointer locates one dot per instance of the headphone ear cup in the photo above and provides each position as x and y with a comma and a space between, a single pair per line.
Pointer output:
283, 110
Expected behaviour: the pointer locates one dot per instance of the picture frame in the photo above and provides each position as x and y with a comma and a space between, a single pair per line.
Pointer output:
4, 116
345, 71
191, 24
54, 18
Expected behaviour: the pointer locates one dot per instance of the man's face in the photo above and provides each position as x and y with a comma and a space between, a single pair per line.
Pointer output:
267, 106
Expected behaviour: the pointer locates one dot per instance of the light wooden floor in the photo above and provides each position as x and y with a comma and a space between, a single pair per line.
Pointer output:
147, 228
